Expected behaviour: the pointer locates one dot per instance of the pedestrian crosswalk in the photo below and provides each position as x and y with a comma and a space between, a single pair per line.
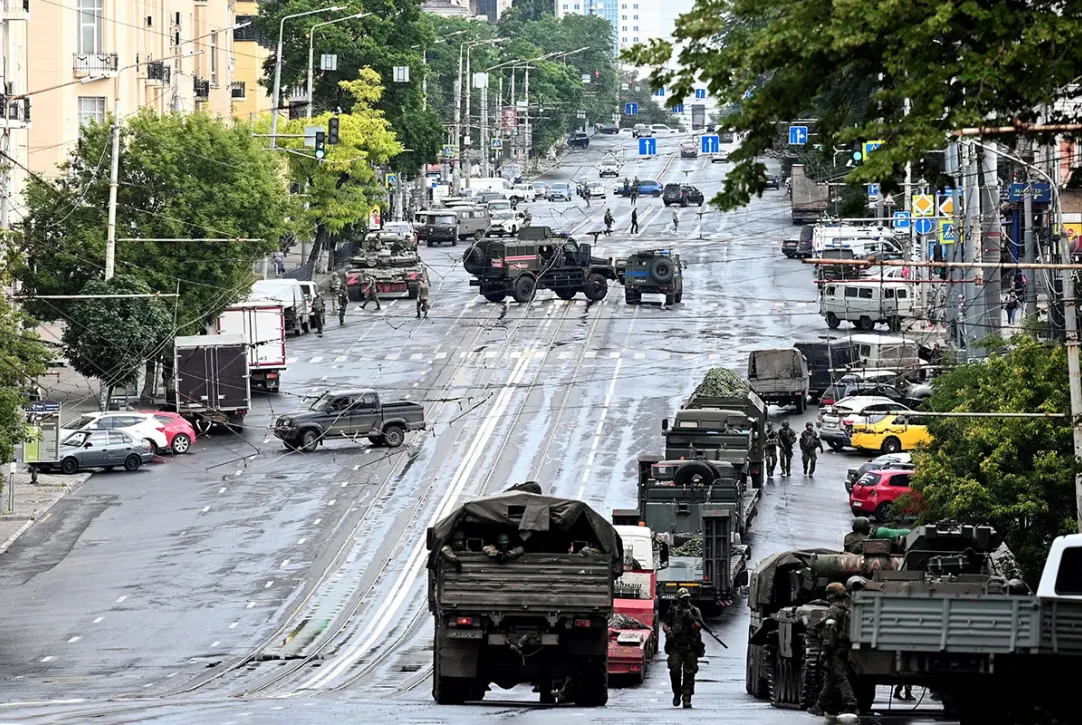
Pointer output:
564, 353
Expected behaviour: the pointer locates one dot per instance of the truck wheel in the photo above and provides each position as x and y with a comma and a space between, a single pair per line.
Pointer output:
524, 288
565, 294
305, 328
833, 321
474, 260
394, 436
786, 689
756, 683
69, 465
891, 445
632, 298
670, 300
865, 693
596, 287
495, 296
865, 323
662, 270
694, 473
835, 445
883, 512
309, 440
592, 685
801, 405
679, 297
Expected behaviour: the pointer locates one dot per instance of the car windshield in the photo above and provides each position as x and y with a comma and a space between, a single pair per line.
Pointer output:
77, 439
442, 219
561, 187
82, 422
323, 402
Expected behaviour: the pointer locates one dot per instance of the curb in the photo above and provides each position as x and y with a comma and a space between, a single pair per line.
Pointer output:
78, 480
11, 539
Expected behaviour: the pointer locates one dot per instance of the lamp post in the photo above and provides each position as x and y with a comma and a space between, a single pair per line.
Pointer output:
278, 66
548, 56
311, 49
465, 164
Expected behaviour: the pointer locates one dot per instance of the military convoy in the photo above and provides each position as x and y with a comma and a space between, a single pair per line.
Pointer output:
654, 272
539, 259
390, 259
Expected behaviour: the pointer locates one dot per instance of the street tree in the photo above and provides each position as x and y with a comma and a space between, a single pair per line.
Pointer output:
343, 188
111, 338
23, 357
1016, 474
181, 176
906, 73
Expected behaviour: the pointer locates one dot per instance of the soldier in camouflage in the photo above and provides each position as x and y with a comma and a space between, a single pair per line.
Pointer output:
786, 439
684, 646
810, 445
450, 551
502, 551
771, 448
854, 540
835, 654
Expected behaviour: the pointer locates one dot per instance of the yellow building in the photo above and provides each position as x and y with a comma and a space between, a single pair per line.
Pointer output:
86, 55
250, 50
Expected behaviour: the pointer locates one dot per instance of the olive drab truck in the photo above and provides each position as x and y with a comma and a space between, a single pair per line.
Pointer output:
780, 376
539, 259
541, 618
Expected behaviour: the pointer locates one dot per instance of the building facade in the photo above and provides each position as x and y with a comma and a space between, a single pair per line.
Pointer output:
610, 10
250, 52
87, 57
15, 109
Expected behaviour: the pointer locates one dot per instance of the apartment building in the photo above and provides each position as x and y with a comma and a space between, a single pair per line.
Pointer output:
14, 106
250, 50
84, 56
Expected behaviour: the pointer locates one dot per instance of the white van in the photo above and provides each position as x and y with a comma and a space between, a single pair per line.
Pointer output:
862, 240
490, 183
866, 302
289, 294
887, 352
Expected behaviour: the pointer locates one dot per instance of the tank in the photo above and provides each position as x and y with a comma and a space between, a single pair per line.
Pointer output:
391, 260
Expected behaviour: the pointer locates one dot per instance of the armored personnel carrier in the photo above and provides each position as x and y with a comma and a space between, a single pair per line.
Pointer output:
651, 272
390, 259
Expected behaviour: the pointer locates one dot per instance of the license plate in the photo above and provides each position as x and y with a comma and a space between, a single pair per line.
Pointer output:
465, 634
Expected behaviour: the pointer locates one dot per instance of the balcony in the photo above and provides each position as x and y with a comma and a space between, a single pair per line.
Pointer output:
238, 90
16, 9
14, 112
159, 73
202, 88
95, 64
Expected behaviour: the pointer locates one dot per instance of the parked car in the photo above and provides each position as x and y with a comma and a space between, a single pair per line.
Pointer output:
682, 194
897, 461
836, 421
595, 189
608, 168
578, 140
101, 449
797, 248
890, 433
773, 182
608, 129
179, 433
143, 426
848, 389
541, 189
559, 191
523, 193
720, 157
875, 493
661, 128
647, 187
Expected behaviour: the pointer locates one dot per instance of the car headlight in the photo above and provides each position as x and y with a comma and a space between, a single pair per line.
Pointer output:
285, 421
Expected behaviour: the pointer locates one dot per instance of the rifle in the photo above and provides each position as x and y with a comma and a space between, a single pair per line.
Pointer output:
711, 633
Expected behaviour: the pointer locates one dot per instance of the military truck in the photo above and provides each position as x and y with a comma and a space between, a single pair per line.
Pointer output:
541, 618
651, 272
780, 376
391, 260
704, 506
539, 259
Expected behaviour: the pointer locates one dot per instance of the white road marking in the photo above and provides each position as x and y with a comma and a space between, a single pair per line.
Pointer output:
316, 522
250, 605
48, 659
344, 484
614, 355
392, 356
302, 540
121, 598
331, 502
600, 424
222, 489
416, 356
269, 584
285, 563
234, 625
98, 619
591, 353
640, 356
290, 360
205, 509
340, 358
215, 643
316, 359
441, 355
74, 639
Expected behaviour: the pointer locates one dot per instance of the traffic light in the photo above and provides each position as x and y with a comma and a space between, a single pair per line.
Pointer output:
332, 130
321, 144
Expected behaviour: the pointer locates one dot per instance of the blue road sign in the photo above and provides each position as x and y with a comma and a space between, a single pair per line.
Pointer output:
44, 406
948, 234
1042, 192
923, 225
497, 143
873, 191
798, 135
678, 108
392, 179
631, 109
901, 220
711, 144
448, 150
747, 93
700, 93
647, 146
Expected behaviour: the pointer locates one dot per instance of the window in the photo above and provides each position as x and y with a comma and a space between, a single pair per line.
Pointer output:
623, 40
636, 28
565, 6
88, 17
902, 294
624, 28
866, 293
635, 40
830, 291
636, 17
624, 6
214, 58
888, 294
623, 17
1069, 576
118, 439
850, 291
91, 109
368, 400
902, 480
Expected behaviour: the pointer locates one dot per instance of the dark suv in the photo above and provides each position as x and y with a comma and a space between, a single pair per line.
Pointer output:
578, 140
608, 128
682, 194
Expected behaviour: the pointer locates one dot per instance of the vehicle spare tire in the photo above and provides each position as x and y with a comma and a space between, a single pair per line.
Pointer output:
662, 270
695, 473
474, 259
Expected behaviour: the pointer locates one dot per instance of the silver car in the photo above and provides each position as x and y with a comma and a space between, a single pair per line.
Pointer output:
103, 449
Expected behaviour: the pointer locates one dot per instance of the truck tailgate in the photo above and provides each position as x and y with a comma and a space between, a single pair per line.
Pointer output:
533, 583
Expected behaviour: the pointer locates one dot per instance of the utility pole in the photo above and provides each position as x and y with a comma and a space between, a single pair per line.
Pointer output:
114, 174
974, 314
1070, 316
951, 168
458, 119
1030, 242
468, 113
991, 241
527, 140
484, 128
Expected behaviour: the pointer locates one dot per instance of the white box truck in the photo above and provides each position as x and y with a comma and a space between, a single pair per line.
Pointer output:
263, 325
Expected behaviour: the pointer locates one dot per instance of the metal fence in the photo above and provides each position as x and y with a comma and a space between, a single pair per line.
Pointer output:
302, 273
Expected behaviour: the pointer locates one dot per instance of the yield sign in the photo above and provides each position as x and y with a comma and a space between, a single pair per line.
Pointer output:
923, 205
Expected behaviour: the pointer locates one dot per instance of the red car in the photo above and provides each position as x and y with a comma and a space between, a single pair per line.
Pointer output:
179, 433
874, 494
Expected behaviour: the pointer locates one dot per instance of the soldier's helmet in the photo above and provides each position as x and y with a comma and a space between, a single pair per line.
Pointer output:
683, 593
770, 426
458, 536
835, 590
785, 424
503, 540
808, 425
862, 525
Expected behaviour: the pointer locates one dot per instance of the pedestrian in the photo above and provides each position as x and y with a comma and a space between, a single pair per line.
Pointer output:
770, 446
854, 540
834, 655
634, 195
586, 195
527, 218
634, 221
451, 551
341, 300
1012, 308
908, 692
336, 286
608, 221
422, 297
502, 551
1019, 284
675, 222
370, 295
786, 439
684, 645
319, 313
810, 445
279, 263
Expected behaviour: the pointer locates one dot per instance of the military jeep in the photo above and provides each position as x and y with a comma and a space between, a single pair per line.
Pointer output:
652, 271
539, 259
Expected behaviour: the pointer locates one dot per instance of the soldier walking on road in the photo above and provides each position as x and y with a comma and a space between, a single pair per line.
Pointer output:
422, 298
835, 653
370, 293
319, 313
634, 221
502, 551
771, 447
810, 445
608, 221
451, 551
854, 540
336, 285
675, 222
786, 439
684, 646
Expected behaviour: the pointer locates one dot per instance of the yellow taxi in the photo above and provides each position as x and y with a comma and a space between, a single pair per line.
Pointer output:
890, 433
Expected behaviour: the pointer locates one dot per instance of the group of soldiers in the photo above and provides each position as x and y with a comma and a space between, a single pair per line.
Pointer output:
502, 551
368, 284
783, 441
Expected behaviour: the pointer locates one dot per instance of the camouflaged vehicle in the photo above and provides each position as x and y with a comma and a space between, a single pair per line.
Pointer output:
651, 272
391, 260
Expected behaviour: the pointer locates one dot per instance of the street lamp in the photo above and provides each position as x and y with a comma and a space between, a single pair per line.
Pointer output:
458, 99
278, 66
424, 61
311, 46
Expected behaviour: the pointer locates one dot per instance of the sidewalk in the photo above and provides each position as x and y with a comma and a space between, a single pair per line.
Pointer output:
32, 501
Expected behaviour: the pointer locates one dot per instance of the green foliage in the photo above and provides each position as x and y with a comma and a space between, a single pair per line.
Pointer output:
1016, 474
110, 339
532, 9
851, 64
22, 358
180, 176
344, 188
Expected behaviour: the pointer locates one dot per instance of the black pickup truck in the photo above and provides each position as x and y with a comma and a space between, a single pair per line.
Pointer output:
350, 414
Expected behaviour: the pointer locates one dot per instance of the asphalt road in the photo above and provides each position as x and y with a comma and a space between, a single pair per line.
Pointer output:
247, 583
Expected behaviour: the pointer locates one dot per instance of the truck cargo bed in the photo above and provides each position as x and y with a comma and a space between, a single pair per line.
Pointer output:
531, 584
